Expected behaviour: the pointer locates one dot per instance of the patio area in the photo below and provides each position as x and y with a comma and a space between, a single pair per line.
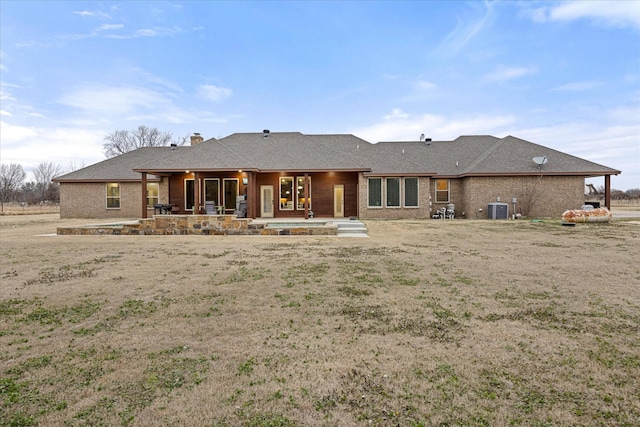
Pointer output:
221, 225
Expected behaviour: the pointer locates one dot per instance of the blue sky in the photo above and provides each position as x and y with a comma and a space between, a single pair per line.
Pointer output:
561, 74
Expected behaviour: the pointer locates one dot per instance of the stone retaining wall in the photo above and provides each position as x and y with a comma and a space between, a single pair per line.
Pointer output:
220, 225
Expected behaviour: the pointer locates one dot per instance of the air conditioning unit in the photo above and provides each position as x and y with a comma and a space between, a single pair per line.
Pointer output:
498, 211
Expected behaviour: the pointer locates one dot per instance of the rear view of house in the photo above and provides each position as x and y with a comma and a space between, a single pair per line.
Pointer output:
294, 175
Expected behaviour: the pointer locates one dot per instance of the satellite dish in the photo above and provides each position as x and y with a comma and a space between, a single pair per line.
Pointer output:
540, 160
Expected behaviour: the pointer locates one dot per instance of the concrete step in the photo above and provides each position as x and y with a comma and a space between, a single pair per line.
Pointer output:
351, 228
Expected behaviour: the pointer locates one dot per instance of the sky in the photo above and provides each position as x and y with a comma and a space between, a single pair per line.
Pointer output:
563, 74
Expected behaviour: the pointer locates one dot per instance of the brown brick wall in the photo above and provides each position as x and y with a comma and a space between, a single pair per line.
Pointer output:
89, 200
547, 196
537, 197
456, 197
422, 211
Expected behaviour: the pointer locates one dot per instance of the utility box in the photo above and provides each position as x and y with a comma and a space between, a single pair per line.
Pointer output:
498, 211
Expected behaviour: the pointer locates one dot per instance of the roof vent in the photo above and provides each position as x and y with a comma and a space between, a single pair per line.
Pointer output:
266, 133
427, 141
174, 146
422, 137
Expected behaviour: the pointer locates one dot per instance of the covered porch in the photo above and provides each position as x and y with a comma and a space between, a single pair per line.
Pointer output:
248, 193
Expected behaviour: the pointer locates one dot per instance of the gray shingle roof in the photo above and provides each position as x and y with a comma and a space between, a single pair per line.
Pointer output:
294, 151
488, 155
118, 168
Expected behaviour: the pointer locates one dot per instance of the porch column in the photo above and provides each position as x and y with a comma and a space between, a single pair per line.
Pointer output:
252, 200
253, 195
607, 191
196, 193
144, 194
306, 196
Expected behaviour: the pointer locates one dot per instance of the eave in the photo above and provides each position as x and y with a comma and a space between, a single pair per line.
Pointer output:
413, 174
96, 180
538, 173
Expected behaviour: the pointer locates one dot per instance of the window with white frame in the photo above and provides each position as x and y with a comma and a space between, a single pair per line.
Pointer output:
113, 195
300, 188
442, 191
375, 192
153, 193
286, 193
393, 192
411, 192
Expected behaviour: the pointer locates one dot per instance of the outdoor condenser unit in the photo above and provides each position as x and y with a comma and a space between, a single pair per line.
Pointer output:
498, 211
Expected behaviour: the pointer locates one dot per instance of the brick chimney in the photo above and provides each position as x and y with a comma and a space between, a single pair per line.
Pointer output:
196, 138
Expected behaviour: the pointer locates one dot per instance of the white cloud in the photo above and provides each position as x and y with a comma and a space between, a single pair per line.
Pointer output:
509, 73
89, 14
466, 29
114, 101
399, 126
160, 82
109, 27
620, 14
425, 85
612, 141
30, 146
5, 113
578, 86
4, 95
396, 114
146, 32
118, 106
213, 93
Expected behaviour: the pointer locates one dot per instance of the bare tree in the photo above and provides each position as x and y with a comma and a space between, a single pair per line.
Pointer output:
528, 194
73, 166
43, 174
123, 141
11, 177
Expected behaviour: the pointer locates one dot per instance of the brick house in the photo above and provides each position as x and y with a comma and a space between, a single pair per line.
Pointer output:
295, 175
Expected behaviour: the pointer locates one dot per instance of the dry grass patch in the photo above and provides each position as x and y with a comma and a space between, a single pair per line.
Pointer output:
424, 323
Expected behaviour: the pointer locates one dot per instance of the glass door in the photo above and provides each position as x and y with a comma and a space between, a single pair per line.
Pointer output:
266, 201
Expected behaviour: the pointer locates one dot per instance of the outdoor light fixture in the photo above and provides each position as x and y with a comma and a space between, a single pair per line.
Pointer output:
245, 180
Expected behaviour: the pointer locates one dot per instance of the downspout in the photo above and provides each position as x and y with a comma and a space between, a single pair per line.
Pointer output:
144, 194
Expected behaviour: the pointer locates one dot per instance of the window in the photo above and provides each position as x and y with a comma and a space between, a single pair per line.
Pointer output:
375, 192
442, 191
300, 187
113, 195
188, 194
411, 192
230, 193
286, 193
153, 191
393, 192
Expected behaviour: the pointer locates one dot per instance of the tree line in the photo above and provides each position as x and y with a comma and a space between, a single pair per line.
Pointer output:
13, 187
